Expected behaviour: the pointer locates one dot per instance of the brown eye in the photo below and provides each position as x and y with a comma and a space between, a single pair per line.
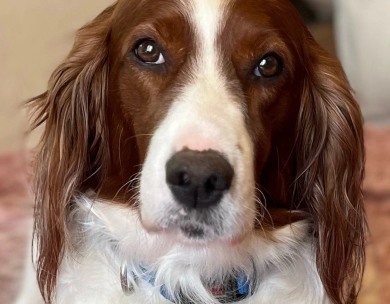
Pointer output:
148, 52
270, 65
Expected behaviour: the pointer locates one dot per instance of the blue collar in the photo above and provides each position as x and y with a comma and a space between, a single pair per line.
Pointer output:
232, 289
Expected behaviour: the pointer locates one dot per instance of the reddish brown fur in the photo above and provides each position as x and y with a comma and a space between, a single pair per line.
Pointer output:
101, 109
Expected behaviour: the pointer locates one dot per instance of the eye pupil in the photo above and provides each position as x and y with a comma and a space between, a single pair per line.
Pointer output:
148, 52
269, 66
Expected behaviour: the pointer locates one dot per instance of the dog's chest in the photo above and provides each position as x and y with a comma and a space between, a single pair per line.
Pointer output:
284, 271
94, 281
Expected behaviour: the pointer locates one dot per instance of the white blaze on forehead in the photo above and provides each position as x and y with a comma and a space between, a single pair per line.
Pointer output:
207, 18
207, 91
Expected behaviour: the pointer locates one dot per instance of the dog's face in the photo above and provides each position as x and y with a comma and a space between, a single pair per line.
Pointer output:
224, 114
197, 76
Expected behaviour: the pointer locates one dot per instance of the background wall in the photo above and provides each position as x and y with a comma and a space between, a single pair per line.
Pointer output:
35, 36
363, 40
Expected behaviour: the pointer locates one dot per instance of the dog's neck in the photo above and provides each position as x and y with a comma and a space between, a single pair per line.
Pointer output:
233, 287
117, 233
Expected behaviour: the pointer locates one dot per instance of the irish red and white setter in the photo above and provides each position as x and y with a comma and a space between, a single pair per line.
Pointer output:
199, 151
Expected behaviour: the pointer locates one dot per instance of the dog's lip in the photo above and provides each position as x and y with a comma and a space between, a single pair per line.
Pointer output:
179, 237
152, 229
183, 240
192, 231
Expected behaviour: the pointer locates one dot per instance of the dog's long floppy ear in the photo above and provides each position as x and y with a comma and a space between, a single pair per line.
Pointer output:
71, 150
330, 164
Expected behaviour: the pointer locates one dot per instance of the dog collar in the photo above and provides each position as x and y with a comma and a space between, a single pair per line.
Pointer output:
232, 289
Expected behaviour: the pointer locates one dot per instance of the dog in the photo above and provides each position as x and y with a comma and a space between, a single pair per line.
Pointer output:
199, 151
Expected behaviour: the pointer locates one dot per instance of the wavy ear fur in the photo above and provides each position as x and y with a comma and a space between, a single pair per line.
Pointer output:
330, 162
71, 152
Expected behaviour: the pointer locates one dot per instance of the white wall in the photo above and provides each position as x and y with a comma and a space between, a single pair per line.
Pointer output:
363, 44
35, 36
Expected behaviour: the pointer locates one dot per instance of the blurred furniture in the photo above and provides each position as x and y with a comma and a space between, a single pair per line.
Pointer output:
314, 11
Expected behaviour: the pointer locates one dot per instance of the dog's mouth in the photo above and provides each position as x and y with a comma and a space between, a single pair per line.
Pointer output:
195, 225
198, 226
192, 231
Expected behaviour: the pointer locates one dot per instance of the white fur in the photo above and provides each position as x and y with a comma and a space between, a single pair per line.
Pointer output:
90, 273
287, 272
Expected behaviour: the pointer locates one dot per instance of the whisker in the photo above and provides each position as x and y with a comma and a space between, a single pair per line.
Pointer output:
138, 135
131, 180
264, 205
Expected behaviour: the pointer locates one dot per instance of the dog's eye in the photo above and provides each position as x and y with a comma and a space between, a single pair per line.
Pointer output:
270, 65
147, 51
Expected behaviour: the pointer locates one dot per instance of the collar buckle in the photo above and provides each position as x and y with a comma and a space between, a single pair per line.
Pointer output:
127, 286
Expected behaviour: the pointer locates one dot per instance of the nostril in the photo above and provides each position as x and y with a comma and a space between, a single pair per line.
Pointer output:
178, 178
211, 183
218, 182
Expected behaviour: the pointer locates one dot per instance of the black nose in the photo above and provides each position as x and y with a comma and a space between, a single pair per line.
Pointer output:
198, 179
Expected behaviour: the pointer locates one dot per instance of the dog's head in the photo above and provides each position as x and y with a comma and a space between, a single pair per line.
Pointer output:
213, 119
